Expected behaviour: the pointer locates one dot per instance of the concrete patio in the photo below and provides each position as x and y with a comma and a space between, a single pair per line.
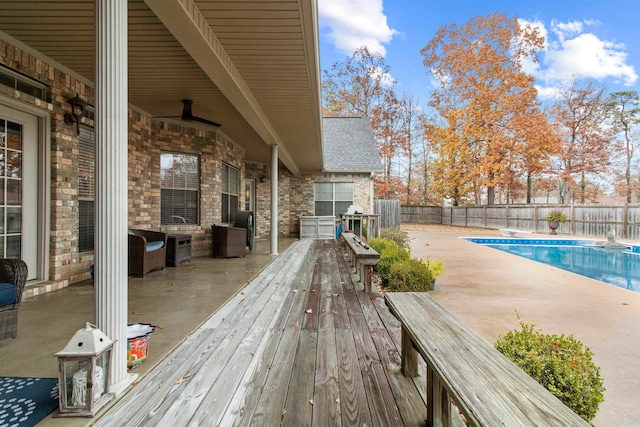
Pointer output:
483, 286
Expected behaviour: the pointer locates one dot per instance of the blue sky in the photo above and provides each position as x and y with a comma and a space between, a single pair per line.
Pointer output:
597, 39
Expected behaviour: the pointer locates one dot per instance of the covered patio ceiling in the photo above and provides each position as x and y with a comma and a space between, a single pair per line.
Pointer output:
251, 66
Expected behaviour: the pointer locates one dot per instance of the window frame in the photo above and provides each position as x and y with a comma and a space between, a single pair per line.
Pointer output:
230, 202
190, 189
86, 191
333, 200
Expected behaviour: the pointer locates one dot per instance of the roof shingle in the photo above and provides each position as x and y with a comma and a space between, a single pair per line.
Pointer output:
349, 145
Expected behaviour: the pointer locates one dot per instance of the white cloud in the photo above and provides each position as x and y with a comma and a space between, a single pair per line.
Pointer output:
587, 56
351, 24
564, 29
570, 51
547, 93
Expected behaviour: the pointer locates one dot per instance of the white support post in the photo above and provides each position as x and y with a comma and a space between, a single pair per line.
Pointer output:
274, 200
111, 126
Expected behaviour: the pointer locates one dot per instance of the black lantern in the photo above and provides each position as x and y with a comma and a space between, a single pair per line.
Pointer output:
77, 110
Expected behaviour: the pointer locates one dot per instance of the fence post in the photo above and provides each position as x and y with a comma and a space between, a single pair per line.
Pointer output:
484, 216
536, 215
506, 216
625, 220
572, 225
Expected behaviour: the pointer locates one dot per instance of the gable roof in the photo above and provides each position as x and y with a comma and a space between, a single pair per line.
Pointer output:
349, 145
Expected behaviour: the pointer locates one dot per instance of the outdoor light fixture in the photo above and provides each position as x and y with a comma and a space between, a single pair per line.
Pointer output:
83, 373
77, 110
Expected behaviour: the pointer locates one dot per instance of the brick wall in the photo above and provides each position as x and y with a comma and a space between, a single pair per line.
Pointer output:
148, 138
302, 194
66, 264
144, 175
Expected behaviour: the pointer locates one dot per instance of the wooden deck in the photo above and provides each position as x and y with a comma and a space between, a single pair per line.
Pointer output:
299, 346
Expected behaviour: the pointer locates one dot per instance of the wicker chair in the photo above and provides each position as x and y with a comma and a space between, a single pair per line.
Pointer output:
142, 261
12, 272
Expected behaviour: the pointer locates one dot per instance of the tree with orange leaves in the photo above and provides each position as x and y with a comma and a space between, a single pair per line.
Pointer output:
454, 164
581, 113
479, 74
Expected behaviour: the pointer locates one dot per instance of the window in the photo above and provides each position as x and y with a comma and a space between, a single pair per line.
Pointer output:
230, 190
24, 84
333, 198
179, 184
11, 187
86, 189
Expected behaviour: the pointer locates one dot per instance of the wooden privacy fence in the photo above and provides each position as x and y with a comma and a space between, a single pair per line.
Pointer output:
585, 220
389, 211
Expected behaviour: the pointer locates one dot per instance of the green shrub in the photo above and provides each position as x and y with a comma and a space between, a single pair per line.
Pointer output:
380, 244
388, 257
556, 215
410, 275
562, 364
436, 267
400, 237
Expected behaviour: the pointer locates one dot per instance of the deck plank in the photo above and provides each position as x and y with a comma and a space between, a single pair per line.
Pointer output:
382, 404
410, 393
160, 385
353, 399
326, 396
266, 407
245, 361
298, 408
301, 345
205, 349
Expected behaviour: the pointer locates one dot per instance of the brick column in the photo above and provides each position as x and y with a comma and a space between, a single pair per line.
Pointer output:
111, 183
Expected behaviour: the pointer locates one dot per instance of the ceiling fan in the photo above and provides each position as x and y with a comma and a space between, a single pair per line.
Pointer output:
187, 115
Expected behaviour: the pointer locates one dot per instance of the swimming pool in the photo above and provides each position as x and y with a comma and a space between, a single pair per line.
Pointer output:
613, 266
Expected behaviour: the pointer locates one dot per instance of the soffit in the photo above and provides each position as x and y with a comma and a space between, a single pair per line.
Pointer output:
272, 45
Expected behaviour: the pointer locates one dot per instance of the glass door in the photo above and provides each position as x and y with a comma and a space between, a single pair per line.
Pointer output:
19, 228
11, 175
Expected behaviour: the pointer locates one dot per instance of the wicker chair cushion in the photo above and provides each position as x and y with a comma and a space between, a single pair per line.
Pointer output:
152, 246
8, 293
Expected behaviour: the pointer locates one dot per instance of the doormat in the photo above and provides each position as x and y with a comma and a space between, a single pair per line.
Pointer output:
26, 401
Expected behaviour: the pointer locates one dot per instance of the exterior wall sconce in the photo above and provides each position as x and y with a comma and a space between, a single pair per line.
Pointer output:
77, 110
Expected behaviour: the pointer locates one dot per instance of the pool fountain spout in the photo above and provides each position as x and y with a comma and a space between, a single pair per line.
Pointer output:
610, 243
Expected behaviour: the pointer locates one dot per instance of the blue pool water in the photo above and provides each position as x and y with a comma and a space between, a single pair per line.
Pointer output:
613, 266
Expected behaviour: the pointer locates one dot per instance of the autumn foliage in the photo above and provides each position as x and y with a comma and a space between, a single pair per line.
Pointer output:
492, 131
486, 132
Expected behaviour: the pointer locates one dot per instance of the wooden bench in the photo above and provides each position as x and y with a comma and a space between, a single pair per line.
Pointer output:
463, 369
362, 258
